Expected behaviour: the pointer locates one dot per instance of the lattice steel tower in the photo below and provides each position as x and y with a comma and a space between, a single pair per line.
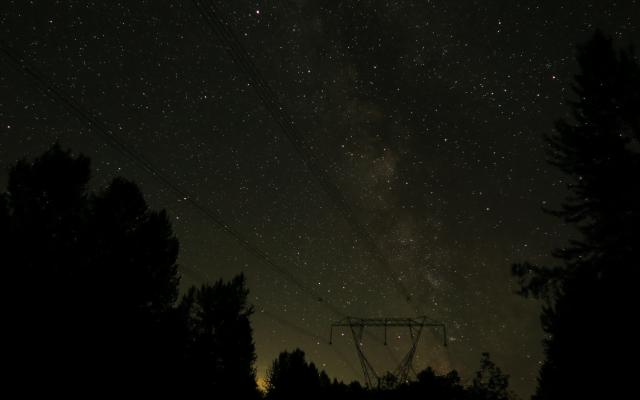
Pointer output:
415, 326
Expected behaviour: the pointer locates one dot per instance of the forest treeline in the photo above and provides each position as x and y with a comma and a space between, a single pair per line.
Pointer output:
94, 304
91, 285
292, 377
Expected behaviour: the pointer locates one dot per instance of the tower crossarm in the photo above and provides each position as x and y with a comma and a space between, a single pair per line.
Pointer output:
415, 325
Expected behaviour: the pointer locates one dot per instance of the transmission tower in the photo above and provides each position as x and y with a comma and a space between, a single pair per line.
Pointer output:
405, 367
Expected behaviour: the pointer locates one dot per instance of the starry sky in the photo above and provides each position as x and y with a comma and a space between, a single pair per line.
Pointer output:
427, 116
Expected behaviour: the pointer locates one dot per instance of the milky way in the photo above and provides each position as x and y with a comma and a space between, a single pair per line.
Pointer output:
427, 116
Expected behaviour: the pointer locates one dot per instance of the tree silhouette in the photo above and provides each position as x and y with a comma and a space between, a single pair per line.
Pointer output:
91, 293
490, 383
291, 377
590, 293
439, 387
219, 348
131, 274
46, 205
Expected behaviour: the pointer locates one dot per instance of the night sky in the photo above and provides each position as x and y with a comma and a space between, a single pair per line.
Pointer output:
427, 116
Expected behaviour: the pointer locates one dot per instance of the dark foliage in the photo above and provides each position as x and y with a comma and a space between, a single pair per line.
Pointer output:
219, 352
588, 296
291, 377
91, 288
490, 383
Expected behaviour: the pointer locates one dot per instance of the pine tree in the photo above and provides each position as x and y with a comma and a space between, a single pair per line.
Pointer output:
219, 353
588, 296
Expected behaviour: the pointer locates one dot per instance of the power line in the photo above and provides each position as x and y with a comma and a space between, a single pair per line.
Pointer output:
56, 94
269, 99
297, 328
305, 332
237, 51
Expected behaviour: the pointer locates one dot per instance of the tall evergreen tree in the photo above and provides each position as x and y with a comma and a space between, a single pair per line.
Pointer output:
46, 206
588, 296
219, 351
